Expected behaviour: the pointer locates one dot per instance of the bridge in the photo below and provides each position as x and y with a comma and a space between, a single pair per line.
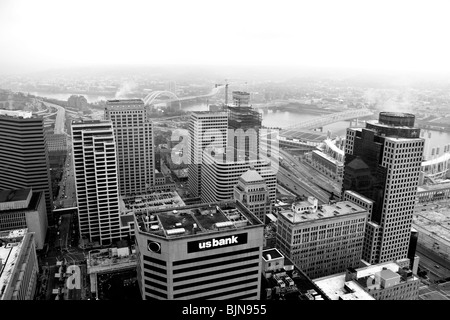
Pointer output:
322, 121
151, 97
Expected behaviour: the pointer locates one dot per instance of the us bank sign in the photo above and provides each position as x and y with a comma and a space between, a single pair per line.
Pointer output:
215, 243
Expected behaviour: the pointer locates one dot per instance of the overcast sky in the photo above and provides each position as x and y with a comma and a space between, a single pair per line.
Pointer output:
399, 35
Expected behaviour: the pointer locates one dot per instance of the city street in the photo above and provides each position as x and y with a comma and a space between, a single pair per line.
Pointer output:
429, 261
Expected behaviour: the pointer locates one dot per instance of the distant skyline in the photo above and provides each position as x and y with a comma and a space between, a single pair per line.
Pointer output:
381, 35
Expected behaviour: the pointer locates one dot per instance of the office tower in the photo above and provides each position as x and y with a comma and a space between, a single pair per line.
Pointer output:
220, 176
24, 160
252, 191
134, 137
385, 281
24, 208
18, 265
246, 124
206, 251
206, 129
95, 169
322, 239
382, 163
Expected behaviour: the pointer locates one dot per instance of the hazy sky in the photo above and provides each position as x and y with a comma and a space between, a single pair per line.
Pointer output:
403, 35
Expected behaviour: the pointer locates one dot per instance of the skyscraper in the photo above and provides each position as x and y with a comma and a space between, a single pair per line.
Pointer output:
382, 163
246, 123
206, 129
24, 160
134, 136
95, 168
205, 251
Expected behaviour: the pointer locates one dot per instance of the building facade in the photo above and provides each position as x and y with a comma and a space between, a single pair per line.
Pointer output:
206, 251
24, 208
382, 163
95, 170
24, 159
133, 131
322, 239
18, 265
206, 129
220, 176
252, 191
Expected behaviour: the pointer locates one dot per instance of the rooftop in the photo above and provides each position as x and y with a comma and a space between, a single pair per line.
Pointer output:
9, 253
195, 219
31, 205
251, 176
151, 201
271, 254
337, 209
125, 101
16, 113
335, 286
14, 195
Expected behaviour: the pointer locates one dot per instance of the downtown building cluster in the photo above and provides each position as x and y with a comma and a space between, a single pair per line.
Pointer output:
215, 249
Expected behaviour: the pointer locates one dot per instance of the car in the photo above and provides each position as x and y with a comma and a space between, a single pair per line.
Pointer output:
436, 266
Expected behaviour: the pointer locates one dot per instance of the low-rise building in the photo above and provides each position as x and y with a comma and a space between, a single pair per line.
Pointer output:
282, 280
24, 208
322, 239
18, 265
385, 281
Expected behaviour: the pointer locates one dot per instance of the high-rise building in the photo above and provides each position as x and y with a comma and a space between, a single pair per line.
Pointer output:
252, 191
24, 209
206, 129
134, 137
24, 159
220, 176
18, 265
382, 164
246, 124
95, 169
322, 239
206, 251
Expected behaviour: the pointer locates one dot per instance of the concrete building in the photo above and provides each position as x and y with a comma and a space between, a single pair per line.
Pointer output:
24, 159
95, 170
18, 265
282, 280
327, 165
206, 251
382, 164
434, 192
24, 208
133, 133
220, 176
322, 239
252, 191
206, 129
385, 281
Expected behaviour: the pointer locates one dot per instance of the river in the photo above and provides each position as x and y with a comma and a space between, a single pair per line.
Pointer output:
283, 119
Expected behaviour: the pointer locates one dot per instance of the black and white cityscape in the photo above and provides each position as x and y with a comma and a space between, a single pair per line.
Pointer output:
239, 150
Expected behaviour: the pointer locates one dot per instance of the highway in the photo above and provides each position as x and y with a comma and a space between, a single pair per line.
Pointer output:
309, 174
429, 260
60, 117
300, 186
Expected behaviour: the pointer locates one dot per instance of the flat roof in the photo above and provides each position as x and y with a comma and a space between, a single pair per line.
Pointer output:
151, 201
434, 187
14, 195
271, 254
337, 209
9, 254
196, 219
16, 113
